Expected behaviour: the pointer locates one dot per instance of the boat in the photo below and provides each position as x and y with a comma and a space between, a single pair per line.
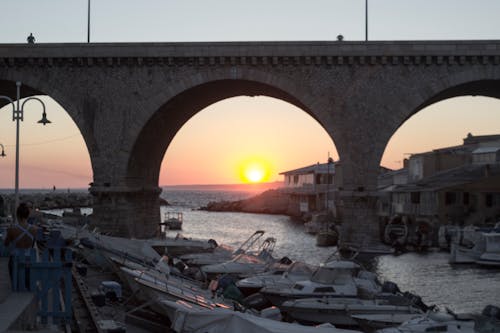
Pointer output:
96, 248
491, 254
172, 220
318, 220
474, 244
342, 312
449, 322
188, 319
396, 231
246, 264
332, 279
296, 271
148, 285
370, 322
364, 252
327, 238
435, 322
462, 254
222, 253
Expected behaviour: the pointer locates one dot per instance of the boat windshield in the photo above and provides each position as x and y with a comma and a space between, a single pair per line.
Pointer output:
247, 259
326, 275
300, 268
492, 242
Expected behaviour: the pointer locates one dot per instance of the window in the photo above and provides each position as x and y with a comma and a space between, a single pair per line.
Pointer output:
324, 290
295, 179
489, 200
415, 197
450, 198
466, 198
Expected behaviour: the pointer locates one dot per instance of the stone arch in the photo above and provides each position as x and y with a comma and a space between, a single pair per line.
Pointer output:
31, 86
152, 142
473, 85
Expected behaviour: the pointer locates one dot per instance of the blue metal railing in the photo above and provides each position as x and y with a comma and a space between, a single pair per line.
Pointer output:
49, 277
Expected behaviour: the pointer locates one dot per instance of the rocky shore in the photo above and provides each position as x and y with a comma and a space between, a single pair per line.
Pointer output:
48, 200
268, 202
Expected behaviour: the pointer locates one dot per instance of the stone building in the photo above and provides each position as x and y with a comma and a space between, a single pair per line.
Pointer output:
453, 185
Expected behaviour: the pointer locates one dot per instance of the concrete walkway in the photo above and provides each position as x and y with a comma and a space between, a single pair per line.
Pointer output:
13, 306
5, 288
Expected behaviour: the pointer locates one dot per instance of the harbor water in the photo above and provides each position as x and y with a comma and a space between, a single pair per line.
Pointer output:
461, 288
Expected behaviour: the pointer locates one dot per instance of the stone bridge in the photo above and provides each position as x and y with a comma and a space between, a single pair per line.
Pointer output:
129, 100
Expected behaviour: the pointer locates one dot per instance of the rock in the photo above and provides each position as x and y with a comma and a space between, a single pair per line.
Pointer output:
268, 202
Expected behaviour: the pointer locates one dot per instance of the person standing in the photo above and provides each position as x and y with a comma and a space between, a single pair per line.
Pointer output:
31, 39
20, 235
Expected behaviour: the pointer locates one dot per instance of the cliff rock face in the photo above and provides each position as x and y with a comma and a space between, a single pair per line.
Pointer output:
268, 202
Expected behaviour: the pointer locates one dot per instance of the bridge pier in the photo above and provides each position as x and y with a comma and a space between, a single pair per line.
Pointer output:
358, 216
126, 212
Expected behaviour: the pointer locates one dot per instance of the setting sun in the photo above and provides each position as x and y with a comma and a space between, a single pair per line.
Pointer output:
255, 175
254, 172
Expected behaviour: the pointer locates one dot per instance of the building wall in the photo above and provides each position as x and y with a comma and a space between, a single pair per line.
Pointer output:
296, 181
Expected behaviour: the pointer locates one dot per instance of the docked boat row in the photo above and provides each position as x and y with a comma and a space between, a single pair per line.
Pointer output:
202, 286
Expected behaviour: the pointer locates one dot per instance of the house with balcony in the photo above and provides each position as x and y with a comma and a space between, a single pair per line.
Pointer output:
457, 185
311, 188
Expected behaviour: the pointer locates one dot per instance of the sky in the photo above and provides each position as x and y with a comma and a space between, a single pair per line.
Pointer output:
55, 155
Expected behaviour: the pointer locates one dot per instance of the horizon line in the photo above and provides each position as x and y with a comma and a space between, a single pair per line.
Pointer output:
64, 189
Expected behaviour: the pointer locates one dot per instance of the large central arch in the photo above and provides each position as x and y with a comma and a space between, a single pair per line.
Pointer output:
152, 143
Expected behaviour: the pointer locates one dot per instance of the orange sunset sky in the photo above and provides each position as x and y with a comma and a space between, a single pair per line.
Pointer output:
221, 142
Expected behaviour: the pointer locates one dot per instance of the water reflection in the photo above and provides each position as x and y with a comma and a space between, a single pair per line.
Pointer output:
462, 288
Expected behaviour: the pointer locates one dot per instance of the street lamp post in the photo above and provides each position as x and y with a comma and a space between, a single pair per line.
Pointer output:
17, 116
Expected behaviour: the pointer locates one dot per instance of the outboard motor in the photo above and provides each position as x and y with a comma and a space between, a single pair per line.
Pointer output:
285, 261
213, 243
491, 311
416, 301
390, 287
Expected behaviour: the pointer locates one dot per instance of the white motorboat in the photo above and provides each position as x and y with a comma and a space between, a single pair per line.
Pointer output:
343, 312
370, 322
189, 319
449, 322
491, 254
434, 322
150, 285
461, 254
466, 245
222, 253
172, 220
246, 264
95, 246
296, 271
331, 279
